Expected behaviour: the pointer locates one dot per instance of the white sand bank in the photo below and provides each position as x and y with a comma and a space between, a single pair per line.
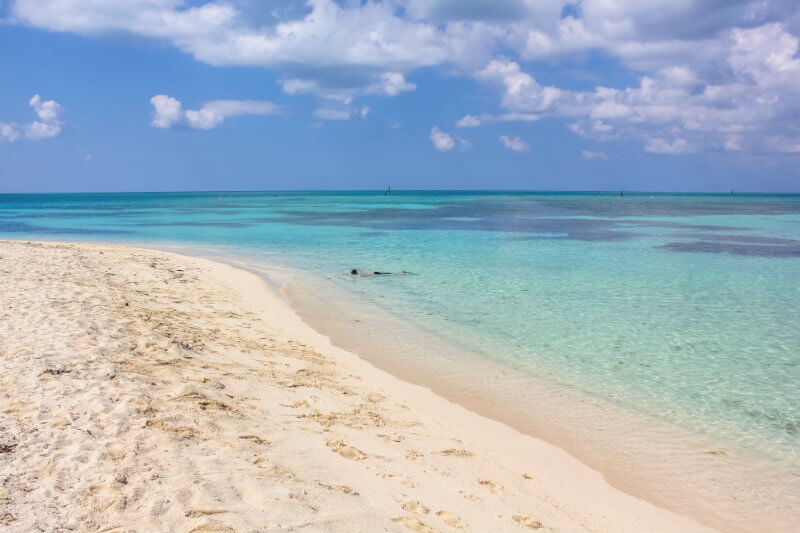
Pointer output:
142, 390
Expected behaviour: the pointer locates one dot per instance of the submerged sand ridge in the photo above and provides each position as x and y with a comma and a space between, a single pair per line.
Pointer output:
142, 390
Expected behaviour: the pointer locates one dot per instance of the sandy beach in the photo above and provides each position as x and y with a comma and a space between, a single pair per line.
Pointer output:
148, 391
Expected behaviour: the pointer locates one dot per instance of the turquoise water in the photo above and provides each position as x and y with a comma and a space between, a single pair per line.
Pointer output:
682, 307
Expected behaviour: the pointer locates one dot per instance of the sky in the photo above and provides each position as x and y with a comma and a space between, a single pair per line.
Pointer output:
154, 95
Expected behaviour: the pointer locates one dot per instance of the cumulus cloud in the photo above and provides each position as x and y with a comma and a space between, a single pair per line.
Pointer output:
720, 75
472, 121
743, 112
48, 125
519, 91
393, 83
168, 112
514, 143
442, 141
663, 146
354, 47
591, 156
469, 121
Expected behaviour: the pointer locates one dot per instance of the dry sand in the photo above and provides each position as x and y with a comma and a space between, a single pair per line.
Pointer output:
148, 391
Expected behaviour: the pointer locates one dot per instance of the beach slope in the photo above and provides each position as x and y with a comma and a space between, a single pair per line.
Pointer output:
143, 390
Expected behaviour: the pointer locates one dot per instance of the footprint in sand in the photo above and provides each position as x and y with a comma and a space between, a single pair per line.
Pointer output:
348, 452
491, 485
296, 405
414, 524
344, 488
412, 506
197, 513
458, 452
451, 520
256, 439
205, 405
470, 497
526, 521
407, 481
393, 438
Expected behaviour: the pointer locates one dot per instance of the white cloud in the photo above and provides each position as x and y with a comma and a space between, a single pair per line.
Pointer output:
787, 145
471, 121
468, 121
9, 132
740, 113
577, 129
662, 146
49, 123
333, 110
601, 127
707, 71
168, 112
441, 141
357, 47
388, 84
514, 143
519, 90
49, 111
42, 130
592, 156
393, 83
733, 144
213, 113
402, 35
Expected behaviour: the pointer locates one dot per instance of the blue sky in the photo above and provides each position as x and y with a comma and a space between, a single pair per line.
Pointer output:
170, 95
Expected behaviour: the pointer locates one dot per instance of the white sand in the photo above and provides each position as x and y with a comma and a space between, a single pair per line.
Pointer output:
146, 391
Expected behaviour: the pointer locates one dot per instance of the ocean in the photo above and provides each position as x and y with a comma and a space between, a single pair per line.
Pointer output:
680, 310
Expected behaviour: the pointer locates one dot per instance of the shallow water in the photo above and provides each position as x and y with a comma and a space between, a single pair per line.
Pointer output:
683, 308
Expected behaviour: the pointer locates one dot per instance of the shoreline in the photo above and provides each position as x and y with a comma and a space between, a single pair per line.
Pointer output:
665, 467
510, 480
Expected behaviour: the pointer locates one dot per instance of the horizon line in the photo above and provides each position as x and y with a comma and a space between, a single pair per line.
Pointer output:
476, 190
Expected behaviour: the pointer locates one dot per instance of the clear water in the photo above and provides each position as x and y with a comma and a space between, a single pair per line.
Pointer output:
680, 306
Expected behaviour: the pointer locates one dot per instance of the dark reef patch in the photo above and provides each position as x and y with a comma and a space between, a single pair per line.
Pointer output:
734, 248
